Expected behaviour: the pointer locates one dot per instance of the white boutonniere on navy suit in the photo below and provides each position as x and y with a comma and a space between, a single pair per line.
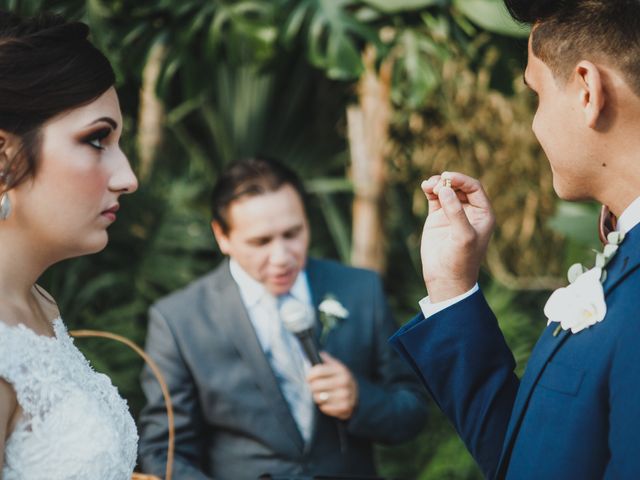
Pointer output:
582, 304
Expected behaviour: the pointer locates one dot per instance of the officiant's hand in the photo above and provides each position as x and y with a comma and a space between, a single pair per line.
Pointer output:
455, 235
334, 389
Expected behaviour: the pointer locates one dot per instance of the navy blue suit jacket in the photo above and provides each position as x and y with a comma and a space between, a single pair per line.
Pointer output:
575, 414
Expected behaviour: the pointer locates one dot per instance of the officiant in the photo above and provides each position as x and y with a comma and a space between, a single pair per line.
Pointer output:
248, 400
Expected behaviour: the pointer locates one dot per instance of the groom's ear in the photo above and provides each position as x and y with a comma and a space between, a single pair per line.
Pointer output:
591, 90
221, 237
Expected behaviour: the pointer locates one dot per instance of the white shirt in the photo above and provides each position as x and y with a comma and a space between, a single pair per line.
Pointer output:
629, 219
261, 305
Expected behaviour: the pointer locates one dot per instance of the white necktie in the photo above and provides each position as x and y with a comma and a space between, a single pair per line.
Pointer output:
288, 365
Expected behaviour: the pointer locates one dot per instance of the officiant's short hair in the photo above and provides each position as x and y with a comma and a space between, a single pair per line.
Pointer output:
247, 178
567, 31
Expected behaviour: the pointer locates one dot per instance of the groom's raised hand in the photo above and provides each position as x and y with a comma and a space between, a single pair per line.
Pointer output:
455, 235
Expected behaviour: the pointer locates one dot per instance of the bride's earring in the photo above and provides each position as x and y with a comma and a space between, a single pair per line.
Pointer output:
5, 206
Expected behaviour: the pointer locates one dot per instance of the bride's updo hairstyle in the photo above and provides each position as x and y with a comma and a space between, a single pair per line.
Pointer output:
47, 66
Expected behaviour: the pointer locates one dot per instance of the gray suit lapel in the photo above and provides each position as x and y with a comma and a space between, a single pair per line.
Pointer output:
231, 312
319, 287
317, 290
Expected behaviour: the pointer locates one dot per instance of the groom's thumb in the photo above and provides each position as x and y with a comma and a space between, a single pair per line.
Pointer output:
452, 208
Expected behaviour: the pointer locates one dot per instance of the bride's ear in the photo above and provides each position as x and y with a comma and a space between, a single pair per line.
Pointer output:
9, 148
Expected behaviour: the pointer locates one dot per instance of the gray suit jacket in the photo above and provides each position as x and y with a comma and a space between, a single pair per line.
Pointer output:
232, 421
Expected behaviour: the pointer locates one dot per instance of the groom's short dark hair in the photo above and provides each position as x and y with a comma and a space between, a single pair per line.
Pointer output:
567, 31
249, 177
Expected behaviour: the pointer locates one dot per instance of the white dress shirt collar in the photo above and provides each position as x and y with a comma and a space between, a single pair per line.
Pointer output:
630, 217
253, 291
262, 306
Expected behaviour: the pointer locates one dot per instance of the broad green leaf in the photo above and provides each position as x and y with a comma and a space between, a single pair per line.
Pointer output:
395, 6
415, 74
338, 226
334, 35
91, 289
328, 185
294, 23
491, 15
343, 58
135, 34
179, 112
577, 221
368, 15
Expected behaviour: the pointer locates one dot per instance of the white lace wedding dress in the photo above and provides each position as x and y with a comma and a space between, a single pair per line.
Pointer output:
74, 425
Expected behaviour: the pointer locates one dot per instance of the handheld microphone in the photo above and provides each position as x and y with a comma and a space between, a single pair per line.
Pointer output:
298, 319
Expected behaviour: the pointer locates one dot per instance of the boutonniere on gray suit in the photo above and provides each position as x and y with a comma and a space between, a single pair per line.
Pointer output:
331, 312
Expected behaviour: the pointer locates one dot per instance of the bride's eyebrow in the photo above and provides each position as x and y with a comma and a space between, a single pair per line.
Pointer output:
108, 120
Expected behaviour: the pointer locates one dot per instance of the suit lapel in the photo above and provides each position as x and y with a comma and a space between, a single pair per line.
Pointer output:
318, 291
626, 260
231, 312
544, 349
318, 287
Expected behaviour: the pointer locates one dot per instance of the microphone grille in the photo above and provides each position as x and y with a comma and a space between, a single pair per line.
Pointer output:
295, 315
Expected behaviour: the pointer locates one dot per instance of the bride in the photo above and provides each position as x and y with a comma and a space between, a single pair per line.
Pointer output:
61, 175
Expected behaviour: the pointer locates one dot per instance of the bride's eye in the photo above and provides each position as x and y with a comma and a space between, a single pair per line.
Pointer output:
95, 138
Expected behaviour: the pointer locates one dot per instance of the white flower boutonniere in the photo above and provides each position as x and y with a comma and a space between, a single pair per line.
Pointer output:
331, 310
582, 303
579, 305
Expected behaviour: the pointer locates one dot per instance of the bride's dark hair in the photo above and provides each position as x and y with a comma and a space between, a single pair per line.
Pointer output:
531, 11
47, 66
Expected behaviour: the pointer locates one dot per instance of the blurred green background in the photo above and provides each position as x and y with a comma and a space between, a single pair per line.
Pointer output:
364, 98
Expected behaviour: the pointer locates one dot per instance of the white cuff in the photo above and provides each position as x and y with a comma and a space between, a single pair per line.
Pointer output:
429, 309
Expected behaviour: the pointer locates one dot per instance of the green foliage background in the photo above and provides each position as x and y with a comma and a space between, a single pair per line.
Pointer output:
275, 77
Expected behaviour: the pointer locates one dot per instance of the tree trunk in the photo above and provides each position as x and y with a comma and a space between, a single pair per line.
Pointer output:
151, 114
368, 127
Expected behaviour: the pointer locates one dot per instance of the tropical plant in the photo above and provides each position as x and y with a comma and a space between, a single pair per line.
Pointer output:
222, 79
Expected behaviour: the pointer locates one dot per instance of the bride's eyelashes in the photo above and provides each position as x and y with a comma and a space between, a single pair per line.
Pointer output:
95, 138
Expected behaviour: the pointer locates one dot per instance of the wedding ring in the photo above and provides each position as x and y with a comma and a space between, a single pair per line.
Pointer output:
323, 397
447, 182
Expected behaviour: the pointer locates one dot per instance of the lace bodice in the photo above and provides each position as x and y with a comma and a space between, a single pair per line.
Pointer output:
74, 425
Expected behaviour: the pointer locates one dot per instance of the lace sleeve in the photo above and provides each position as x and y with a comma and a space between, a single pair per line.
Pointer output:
74, 424
11, 362
23, 365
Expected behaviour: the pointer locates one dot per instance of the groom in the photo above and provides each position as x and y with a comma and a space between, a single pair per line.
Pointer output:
246, 400
575, 414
